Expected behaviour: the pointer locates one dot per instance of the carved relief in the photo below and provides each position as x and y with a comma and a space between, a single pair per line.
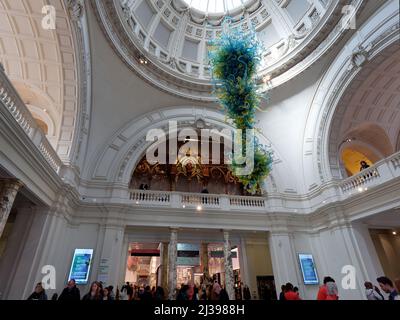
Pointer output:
75, 8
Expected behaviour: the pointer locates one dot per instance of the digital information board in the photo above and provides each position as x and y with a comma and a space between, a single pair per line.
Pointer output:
80, 266
308, 269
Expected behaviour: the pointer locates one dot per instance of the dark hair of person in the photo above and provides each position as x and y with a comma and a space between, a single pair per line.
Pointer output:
385, 280
160, 292
99, 286
328, 279
283, 287
289, 287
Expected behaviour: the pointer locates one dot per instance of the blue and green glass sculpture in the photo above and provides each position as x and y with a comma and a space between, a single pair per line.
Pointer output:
234, 57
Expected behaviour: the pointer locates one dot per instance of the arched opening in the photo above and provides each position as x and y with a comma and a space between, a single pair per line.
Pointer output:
42, 125
42, 109
365, 124
42, 66
369, 143
398, 143
199, 164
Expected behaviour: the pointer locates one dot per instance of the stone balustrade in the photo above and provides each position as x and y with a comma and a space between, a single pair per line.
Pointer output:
196, 201
381, 172
11, 101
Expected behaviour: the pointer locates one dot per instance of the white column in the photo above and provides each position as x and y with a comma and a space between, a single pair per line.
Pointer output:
8, 191
373, 266
284, 263
110, 259
244, 265
124, 258
229, 280
164, 265
10, 266
172, 253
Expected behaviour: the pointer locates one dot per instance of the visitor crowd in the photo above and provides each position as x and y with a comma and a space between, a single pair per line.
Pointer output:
329, 290
212, 292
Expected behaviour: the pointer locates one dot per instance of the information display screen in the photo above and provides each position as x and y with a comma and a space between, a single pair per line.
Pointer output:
308, 269
80, 266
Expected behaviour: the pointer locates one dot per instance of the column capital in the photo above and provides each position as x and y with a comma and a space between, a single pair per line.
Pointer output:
10, 183
8, 192
226, 234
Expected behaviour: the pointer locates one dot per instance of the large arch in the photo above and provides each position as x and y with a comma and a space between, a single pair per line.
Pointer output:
368, 141
52, 61
398, 143
369, 109
116, 160
379, 35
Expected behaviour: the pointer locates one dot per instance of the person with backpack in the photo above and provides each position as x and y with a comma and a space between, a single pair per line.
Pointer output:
332, 290
328, 291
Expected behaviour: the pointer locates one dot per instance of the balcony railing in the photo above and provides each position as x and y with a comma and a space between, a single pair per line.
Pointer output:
11, 101
196, 201
381, 172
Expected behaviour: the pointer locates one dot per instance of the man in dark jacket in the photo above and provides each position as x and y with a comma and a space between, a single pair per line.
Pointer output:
71, 292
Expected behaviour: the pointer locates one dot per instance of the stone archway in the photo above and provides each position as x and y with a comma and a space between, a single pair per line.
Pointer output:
117, 159
55, 62
321, 161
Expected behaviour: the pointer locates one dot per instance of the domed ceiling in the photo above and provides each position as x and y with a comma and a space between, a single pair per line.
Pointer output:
166, 41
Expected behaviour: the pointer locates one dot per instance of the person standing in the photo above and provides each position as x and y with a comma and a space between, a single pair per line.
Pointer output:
282, 294
70, 293
39, 293
159, 294
363, 165
387, 286
372, 292
332, 290
107, 294
95, 292
216, 290
246, 293
146, 296
191, 293
397, 284
323, 290
289, 292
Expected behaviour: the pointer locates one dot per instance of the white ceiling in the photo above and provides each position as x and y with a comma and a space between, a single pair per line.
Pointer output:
374, 100
39, 62
385, 220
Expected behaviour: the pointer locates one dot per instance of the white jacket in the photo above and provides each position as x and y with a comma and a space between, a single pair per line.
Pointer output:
372, 295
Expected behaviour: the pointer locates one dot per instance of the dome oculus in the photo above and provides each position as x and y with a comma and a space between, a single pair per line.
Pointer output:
215, 6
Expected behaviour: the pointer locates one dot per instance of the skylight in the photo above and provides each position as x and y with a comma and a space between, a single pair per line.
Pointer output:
214, 6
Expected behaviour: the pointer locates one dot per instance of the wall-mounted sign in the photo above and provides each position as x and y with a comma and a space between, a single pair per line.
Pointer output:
220, 254
308, 269
102, 273
80, 266
188, 254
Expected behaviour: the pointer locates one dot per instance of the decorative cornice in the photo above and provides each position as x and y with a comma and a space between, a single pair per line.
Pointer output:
80, 32
75, 8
